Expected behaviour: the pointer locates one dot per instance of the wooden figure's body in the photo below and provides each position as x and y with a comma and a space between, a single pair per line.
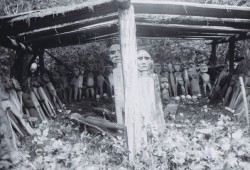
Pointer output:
205, 78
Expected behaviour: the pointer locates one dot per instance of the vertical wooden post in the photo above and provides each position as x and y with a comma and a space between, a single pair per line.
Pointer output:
244, 99
213, 58
130, 72
41, 61
231, 55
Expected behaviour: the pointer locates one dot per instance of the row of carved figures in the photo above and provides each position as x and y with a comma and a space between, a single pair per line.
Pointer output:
83, 84
27, 106
183, 82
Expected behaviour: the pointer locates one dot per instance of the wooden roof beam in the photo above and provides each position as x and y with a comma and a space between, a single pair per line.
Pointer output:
77, 36
236, 38
191, 9
171, 28
193, 20
55, 16
62, 28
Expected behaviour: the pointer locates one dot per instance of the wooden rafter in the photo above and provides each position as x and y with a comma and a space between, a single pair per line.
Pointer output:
55, 16
193, 20
190, 9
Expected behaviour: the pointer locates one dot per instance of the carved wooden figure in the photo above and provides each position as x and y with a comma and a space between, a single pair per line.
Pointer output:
164, 89
179, 80
80, 82
194, 83
55, 99
64, 83
8, 104
115, 57
205, 78
157, 69
186, 80
172, 79
90, 83
100, 83
150, 113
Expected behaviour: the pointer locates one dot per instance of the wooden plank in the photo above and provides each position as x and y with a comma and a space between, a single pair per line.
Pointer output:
193, 9
56, 16
237, 37
242, 86
193, 20
66, 27
78, 35
130, 73
187, 28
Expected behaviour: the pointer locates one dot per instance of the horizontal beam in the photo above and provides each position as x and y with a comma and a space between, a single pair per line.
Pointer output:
153, 29
55, 16
78, 36
193, 20
63, 28
190, 9
238, 37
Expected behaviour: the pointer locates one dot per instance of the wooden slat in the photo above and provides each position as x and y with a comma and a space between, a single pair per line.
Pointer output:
63, 28
238, 37
191, 9
156, 30
56, 16
87, 32
193, 20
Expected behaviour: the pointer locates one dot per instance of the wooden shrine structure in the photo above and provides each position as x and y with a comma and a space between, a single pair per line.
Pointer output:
99, 20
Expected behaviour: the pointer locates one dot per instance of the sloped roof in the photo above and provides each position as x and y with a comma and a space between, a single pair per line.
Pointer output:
98, 20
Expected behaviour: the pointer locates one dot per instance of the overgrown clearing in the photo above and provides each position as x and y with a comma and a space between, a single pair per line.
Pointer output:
201, 136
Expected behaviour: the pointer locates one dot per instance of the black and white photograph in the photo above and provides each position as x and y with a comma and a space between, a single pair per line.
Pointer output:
124, 84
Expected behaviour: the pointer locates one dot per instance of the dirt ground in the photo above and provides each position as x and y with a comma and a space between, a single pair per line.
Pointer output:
200, 136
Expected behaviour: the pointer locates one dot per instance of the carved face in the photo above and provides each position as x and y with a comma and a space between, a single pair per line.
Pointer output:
115, 54
157, 68
46, 77
33, 67
177, 67
164, 83
144, 61
76, 72
203, 68
170, 67
165, 67
191, 64
192, 73
82, 70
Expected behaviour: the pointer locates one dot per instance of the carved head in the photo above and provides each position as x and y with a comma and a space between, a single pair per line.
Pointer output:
203, 68
170, 67
191, 64
165, 67
76, 71
81, 70
144, 61
33, 67
115, 53
164, 83
177, 67
157, 68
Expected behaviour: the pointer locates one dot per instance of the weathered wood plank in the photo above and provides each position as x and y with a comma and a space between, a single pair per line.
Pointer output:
130, 73
193, 20
63, 28
56, 16
193, 9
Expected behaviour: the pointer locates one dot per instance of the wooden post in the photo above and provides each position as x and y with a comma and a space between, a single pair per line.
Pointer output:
244, 98
231, 55
130, 73
213, 58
